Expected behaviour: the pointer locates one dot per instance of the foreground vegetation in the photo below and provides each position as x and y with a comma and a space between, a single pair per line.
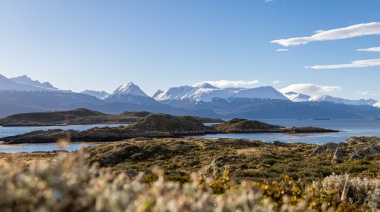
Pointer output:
197, 174
246, 159
67, 183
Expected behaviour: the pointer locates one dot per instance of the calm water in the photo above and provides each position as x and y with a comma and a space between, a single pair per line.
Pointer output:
10, 131
348, 129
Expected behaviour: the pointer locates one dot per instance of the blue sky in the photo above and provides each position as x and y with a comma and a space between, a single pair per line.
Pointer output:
99, 45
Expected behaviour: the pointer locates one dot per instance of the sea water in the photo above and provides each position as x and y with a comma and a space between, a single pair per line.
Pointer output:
347, 128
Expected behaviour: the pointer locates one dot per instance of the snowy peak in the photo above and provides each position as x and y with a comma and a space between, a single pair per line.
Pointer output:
131, 93
27, 80
205, 85
264, 92
7, 84
297, 97
130, 89
174, 93
97, 94
337, 100
206, 93
155, 95
325, 98
377, 104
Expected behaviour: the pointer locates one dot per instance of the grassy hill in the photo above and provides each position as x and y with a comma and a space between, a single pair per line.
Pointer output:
77, 117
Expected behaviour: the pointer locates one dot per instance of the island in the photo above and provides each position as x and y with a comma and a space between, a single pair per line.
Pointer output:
156, 126
80, 116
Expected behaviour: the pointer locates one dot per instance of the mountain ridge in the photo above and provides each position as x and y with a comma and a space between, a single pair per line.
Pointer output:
201, 99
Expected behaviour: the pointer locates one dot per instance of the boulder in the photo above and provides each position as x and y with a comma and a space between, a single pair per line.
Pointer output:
338, 155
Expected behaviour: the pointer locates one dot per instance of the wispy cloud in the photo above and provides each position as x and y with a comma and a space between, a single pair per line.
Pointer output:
367, 93
354, 64
357, 30
372, 49
232, 83
276, 81
364, 93
309, 88
267, 1
282, 50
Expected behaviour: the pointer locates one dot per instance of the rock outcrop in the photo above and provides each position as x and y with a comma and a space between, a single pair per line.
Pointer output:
293, 130
353, 149
245, 126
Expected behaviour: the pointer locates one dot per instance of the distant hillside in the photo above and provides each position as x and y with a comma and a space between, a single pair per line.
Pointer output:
6, 109
72, 117
78, 116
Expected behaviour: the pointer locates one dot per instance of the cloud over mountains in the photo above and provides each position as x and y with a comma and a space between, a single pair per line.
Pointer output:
309, 88
231, 83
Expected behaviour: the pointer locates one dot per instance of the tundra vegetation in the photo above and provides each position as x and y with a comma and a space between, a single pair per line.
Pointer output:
196, 174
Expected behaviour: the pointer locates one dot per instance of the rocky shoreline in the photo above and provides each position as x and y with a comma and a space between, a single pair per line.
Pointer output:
157, 126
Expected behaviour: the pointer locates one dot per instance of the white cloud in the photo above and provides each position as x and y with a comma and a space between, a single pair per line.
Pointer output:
354, 64
231, 83
267, 1
372, 49
309, 88
282, 50
357, 30
364, 93
276, 81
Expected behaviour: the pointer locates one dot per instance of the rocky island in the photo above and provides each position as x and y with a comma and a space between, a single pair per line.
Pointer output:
156, 126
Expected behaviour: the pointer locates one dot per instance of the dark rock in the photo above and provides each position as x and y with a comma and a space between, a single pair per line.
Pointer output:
338, 155
328, 147
361, 153
278, 143
366, 140
318, 150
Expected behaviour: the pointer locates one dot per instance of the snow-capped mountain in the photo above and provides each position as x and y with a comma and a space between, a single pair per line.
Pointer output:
377, 104
297, 97
264, 92
27, 80
130, 89
97, 94
7, 84
337, 100
130, 93
174, 93
204, 92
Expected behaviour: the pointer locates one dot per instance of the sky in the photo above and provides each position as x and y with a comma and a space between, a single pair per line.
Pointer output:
309, 46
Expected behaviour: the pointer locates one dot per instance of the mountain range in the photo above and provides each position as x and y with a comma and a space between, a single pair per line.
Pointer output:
22, 94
